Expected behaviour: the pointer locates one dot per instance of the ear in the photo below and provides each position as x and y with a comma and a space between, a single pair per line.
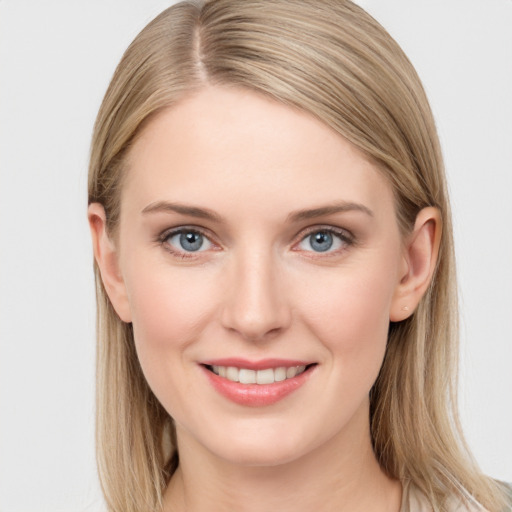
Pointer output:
419, 262
106, 258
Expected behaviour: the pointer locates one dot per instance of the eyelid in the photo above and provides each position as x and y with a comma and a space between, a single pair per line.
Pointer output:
345, 235
343, 232
169, 232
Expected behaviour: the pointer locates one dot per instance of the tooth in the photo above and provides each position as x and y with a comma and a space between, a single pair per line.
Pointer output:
232, 373
265, 376
247, 376
291, 372
280, 374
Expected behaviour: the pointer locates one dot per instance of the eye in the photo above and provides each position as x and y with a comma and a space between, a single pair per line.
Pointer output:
325, 240
186, 241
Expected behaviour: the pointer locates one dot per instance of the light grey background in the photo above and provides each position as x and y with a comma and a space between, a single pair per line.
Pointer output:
56, 58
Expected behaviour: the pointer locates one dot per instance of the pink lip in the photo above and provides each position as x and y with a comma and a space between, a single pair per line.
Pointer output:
255, 395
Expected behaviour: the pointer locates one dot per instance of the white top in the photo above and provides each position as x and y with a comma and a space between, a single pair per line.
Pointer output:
413, 500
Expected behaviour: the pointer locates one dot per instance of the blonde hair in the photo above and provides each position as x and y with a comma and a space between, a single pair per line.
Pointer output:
333, 60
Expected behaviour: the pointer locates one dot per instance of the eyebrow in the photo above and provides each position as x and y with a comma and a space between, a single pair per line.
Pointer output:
192, 211
300, 215
330, 209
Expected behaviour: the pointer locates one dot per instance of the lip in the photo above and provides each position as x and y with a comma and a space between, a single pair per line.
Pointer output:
261, 364
256, 395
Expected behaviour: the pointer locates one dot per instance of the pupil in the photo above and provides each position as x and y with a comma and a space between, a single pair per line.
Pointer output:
191, 241
321, 241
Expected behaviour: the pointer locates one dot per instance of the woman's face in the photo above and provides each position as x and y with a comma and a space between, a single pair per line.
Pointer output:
256, 243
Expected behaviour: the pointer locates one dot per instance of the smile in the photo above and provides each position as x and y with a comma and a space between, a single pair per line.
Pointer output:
257, 384
261, 377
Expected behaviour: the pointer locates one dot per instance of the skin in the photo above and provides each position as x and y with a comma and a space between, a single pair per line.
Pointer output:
257, 289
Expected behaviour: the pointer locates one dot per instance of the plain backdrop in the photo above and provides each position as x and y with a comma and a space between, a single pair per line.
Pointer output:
56, 59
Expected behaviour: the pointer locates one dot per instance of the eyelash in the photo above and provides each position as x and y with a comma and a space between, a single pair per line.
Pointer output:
347, 239
164, 237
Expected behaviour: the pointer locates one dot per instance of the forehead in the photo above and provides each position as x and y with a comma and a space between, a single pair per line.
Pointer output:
233, 143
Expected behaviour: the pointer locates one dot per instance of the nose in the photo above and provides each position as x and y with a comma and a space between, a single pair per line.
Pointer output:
255, 305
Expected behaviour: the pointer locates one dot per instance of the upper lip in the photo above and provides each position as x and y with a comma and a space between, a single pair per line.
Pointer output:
260, 364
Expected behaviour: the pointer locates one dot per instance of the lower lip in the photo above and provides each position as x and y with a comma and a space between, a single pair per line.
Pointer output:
256, 395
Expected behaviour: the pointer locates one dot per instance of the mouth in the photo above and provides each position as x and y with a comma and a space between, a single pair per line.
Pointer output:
257, 384
261, 377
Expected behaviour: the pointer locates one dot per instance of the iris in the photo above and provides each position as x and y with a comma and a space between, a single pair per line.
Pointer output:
321, 241
191, 241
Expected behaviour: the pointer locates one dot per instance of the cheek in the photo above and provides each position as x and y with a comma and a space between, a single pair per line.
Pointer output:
349, 314
169, 310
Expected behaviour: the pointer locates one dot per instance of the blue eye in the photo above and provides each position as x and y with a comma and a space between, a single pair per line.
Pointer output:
324, 240
188, 240
321, 241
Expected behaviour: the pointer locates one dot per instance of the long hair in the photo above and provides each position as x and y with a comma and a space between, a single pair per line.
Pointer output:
331, 59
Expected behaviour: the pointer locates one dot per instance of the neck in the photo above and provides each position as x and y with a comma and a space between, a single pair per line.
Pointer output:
341, 475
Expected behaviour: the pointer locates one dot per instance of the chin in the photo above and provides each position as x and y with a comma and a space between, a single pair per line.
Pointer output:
264, 445
258, 456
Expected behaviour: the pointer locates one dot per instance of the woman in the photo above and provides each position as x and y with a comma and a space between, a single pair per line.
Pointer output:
275, 277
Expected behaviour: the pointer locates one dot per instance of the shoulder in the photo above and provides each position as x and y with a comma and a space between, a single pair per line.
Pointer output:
507, 487
413, 500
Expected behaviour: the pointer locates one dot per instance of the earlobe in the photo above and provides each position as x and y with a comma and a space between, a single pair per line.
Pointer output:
420, 257
106, 258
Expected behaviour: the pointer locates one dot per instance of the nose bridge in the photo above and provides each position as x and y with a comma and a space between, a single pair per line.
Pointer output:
256, 305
